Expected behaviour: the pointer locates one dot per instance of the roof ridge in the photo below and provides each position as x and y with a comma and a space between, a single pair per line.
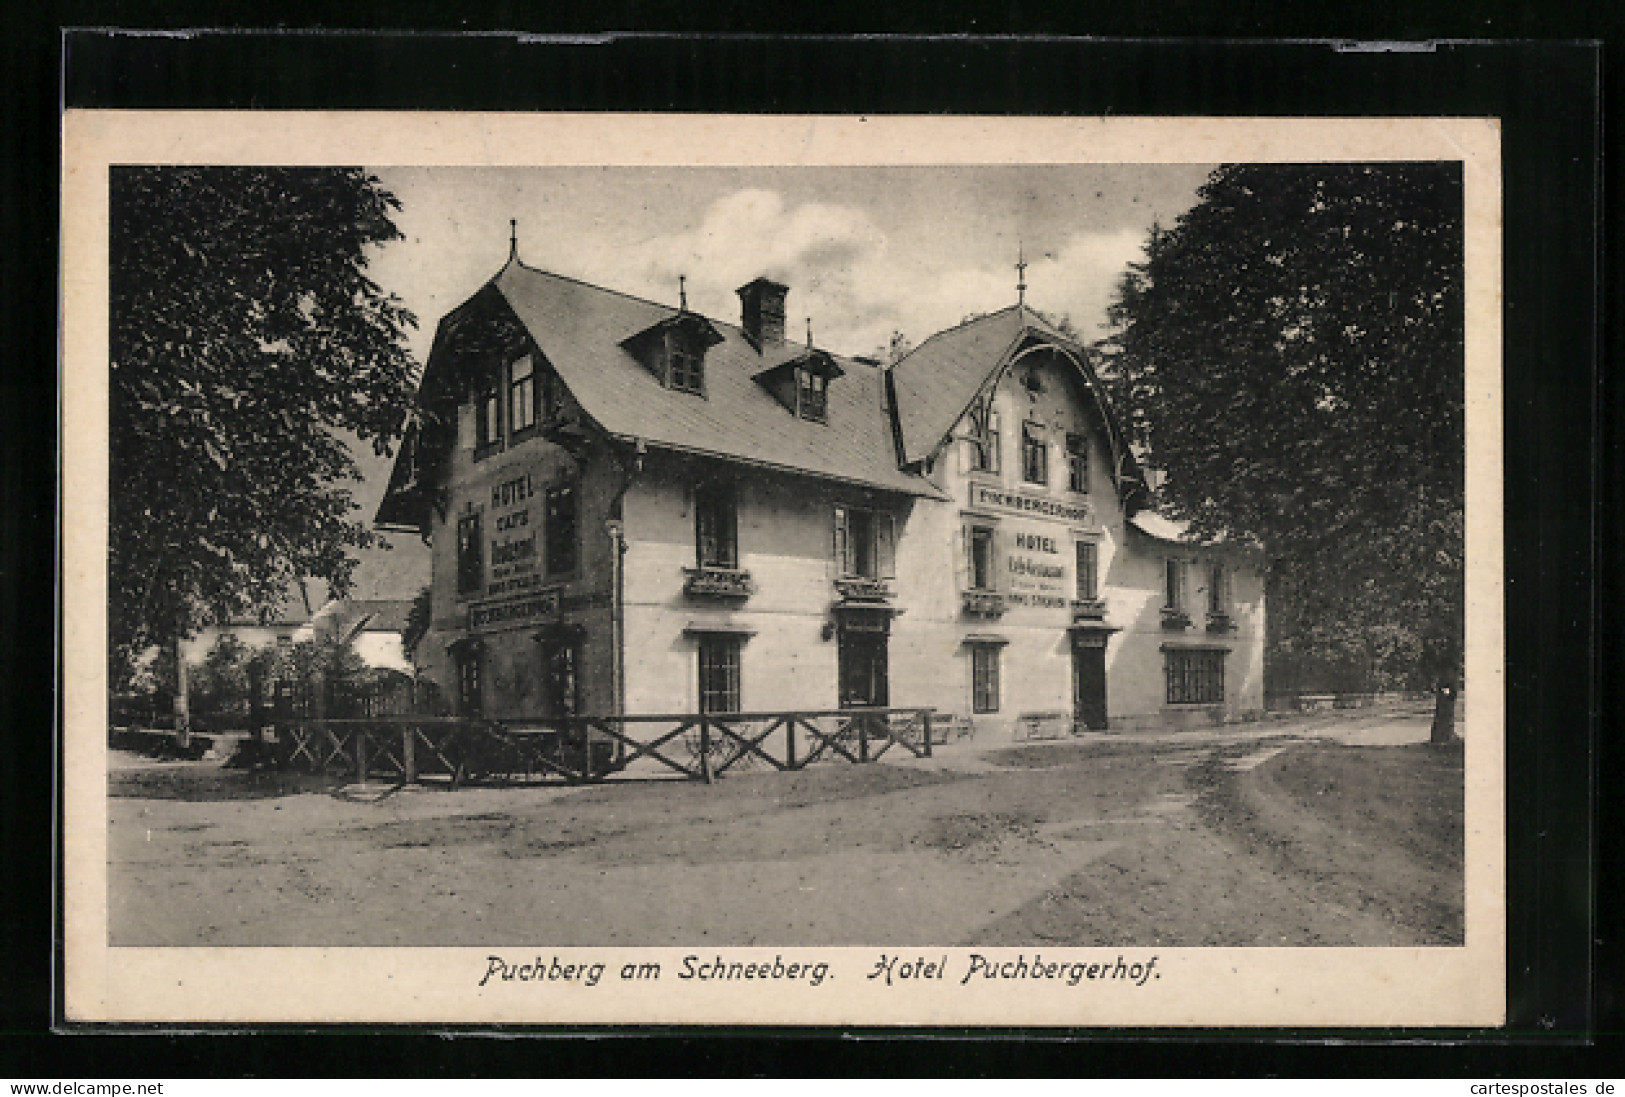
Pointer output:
934, 336
673, 309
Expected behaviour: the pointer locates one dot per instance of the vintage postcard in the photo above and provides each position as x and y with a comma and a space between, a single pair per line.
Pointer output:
630, 569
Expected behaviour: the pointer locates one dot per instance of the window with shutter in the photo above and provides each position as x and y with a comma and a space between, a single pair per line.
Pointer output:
840, 542
885, 547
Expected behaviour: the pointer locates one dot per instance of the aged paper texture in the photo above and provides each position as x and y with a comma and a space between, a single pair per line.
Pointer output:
944, 983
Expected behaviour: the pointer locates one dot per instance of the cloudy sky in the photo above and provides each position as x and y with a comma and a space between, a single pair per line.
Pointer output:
865, 251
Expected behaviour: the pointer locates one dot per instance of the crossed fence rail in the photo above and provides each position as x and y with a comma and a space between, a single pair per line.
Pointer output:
576, 749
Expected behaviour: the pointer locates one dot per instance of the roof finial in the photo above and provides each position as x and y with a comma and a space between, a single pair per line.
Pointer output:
809, 333
513, 239
682, 293
1021, 275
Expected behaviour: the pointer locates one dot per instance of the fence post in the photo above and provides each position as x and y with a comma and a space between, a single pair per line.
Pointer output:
409, 754
863, 738
790, 743
705, 750
360, 756
927, 715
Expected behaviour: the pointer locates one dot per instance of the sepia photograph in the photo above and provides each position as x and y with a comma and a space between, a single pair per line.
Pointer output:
792, 576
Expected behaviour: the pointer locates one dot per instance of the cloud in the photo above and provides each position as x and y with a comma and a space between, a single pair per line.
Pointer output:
844, 273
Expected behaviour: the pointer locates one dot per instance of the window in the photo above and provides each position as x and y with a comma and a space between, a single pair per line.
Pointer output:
488, 413
1088, 579
561, 690
1034, 454
561, 530
716, 526
1174, 585
719, 673
984, 440
1195, 676
685, 371
1218, 591
470, 554
984, 661
812, 395
979, 557
864, 543
470, 698
1077, 463
521, 395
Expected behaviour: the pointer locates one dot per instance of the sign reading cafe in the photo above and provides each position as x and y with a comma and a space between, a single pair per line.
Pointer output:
513, 544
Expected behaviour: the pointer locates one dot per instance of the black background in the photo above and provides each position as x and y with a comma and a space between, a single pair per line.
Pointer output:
1561, 433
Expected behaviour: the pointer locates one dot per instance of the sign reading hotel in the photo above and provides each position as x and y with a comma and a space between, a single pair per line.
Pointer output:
513, 558
1035, 573
1016, 502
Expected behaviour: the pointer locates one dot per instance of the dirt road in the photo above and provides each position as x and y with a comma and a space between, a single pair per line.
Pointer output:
1267, 839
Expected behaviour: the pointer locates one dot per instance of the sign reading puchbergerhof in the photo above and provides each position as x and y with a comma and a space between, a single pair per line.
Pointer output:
1082, 513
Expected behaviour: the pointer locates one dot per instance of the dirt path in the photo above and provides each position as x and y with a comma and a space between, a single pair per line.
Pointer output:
1126, 843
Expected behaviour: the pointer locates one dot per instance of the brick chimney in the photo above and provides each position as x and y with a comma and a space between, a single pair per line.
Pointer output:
762, 304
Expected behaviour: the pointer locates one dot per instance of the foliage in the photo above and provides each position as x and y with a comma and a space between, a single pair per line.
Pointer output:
245, 335
1290, 355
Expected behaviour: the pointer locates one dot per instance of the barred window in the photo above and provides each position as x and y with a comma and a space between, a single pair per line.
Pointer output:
1088, 580
1195, 676
470, 554
719, 673
984, 677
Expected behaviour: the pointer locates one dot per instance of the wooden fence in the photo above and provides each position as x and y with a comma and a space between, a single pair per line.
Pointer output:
575, 749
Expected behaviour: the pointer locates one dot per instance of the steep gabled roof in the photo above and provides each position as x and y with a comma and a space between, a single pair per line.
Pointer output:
936, 383
580, 329
937, 380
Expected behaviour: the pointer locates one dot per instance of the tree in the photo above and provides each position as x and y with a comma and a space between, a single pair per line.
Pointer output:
1290, 355
246, 338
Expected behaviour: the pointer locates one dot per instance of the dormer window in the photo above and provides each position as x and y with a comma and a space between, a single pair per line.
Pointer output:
801, 383
674, 350
812, 395
685, 369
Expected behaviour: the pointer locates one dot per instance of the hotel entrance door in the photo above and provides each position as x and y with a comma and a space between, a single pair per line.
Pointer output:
1089, 681
862, 667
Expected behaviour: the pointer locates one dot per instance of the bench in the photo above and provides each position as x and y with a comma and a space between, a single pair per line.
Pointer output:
1043, 725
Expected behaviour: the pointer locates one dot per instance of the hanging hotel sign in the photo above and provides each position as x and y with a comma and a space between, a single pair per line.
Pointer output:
1016, 502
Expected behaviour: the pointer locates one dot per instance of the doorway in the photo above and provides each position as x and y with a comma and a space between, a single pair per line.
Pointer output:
1089, 682
863, 665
